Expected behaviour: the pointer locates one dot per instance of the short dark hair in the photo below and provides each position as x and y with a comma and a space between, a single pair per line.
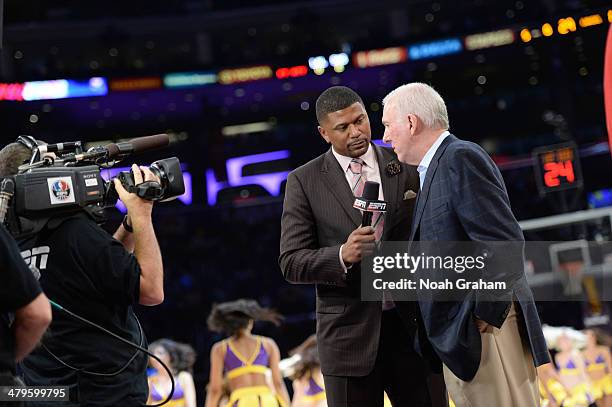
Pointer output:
11, 157
334, 99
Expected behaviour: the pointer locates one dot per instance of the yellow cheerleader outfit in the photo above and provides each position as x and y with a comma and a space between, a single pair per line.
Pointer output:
235, 365
603, 386
580, 394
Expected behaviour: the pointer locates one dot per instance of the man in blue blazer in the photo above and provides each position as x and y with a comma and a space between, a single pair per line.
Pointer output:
489, 347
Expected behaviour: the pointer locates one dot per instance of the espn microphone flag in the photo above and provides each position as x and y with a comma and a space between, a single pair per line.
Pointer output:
370, 192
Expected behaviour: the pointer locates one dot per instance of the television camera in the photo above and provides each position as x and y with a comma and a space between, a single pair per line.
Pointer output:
61, 179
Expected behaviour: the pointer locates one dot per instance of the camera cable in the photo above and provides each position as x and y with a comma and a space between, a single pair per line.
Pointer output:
129, 343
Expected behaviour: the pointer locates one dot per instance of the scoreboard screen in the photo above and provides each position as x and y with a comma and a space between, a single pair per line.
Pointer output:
557, 167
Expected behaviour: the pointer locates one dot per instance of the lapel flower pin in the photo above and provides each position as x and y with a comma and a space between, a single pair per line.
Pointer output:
393, 168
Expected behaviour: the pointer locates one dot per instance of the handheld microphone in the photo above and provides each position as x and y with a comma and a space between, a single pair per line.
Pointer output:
370, 193
368, 203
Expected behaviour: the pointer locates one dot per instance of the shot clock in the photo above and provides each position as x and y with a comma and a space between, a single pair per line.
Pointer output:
557, 167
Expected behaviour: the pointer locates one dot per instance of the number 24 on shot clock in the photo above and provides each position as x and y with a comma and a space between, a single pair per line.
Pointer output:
557, 167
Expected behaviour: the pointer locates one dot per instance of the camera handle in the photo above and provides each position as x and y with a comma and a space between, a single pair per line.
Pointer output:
149, 190
45, 162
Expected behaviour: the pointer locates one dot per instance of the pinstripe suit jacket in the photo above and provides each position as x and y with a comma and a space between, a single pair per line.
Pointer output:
464, 199
318, 216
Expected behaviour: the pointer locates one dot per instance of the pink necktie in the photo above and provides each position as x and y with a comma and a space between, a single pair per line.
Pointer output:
378, 219
358, 182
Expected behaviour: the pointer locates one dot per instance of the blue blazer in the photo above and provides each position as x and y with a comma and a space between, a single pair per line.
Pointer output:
464, 199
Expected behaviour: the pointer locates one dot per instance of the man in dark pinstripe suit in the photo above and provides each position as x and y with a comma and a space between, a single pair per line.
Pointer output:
364, 347
489, 346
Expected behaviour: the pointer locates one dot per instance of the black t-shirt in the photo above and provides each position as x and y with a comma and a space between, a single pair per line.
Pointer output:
18, 287
86, 271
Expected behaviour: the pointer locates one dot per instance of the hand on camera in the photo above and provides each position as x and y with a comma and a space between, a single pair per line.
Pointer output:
136, 206
360, 243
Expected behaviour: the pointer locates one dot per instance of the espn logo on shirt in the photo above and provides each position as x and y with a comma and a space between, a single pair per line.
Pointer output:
36, 259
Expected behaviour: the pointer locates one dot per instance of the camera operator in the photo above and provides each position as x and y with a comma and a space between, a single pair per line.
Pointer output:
96, 276
20, 295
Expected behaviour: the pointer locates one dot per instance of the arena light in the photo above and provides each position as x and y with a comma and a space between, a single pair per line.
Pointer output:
11, 91
377, 57
239, 75
547, 30
318, 64
247, 128
93, 87
270, 181
600, 199
187, 197
127, 84
339, 61
187, 79
589, 21
292, 72
525, 35
489, 39
610, 16
37, 90
435, 48
62, 89
566, 25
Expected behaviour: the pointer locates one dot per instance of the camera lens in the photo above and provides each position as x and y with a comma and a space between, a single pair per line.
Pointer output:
171, 177
159, 173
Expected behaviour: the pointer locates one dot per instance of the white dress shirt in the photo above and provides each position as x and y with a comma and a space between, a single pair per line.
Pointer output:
429, 155
369, 170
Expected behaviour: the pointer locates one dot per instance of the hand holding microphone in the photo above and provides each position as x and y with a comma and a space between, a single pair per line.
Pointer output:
361, 241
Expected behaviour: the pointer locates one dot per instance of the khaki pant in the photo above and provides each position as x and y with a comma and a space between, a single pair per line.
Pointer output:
506, 376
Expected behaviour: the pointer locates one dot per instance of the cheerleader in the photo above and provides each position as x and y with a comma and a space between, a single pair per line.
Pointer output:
308, 388
598, 366
572, 374
179, 358
244, 359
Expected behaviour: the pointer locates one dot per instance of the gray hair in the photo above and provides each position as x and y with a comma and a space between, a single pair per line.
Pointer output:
421, 100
